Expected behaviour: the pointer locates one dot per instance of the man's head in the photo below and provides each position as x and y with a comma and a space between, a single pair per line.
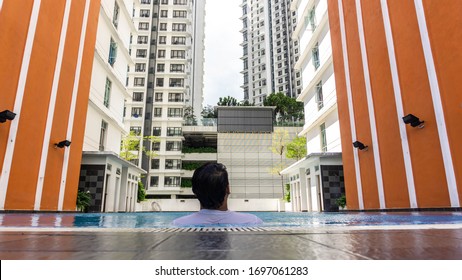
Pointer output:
210, 185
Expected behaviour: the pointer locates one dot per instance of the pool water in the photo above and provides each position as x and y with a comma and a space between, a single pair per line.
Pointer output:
271, 219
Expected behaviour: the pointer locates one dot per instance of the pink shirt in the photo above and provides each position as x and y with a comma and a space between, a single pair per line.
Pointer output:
217, 217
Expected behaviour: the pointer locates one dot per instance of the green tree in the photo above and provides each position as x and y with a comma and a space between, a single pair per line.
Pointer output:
279, 146
286, 107
141, 192
83, 200
296, 149
227, 101
189, 117
208, 112
130, 146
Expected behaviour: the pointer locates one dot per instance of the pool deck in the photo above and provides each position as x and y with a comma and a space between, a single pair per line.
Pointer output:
429, 242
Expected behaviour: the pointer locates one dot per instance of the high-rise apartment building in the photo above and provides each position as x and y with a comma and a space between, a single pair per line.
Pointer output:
165, 83
269, 53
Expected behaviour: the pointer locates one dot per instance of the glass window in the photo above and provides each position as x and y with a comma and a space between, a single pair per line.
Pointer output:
156, 131
174, 146
154, 181
175, 112
138, 96
157, 112
107, 92
112, 52
137, 112
155, 163
319, 97
115, 17
173, 164
323, 137
102, 136
171, 181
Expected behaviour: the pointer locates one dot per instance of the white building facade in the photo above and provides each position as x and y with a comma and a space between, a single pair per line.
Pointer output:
316, 181
112, 181
165, 82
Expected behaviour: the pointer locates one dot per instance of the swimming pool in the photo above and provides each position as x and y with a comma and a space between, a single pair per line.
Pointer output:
143, 220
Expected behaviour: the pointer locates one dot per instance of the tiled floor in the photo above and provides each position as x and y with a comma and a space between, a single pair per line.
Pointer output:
320, 244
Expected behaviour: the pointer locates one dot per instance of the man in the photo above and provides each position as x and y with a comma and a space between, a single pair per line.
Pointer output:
211, 186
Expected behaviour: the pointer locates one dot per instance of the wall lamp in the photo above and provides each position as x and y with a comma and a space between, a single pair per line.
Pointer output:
62, 144
413, 121
359, 145
6, 115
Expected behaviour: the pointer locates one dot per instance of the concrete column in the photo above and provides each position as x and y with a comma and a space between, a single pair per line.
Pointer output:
303, 193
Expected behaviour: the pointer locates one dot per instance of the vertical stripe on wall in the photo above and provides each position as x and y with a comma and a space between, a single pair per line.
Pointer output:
73, 105
5, 176
399, 105
436, 98
1, 5
370, 104
51, 107
350, 104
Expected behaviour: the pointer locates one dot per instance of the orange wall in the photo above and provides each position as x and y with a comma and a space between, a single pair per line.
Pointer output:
14, 24
342, 102
444, 22
12, 42
425, 148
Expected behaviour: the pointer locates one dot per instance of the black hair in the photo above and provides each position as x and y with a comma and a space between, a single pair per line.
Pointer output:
209, 184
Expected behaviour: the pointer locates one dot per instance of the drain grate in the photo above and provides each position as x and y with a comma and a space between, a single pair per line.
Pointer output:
219, 229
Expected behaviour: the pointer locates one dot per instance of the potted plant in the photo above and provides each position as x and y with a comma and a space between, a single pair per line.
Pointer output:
341, 202
83, 200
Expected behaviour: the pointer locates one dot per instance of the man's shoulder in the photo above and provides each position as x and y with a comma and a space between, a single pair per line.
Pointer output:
245, 218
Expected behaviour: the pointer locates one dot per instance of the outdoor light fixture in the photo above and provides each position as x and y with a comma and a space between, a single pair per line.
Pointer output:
6, 115
413, 121
359, 145
62, 144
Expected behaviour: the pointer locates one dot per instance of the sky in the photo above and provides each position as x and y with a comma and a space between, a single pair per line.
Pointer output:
222, 75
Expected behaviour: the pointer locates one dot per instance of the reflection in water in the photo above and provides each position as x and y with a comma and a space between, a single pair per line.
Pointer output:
271, 219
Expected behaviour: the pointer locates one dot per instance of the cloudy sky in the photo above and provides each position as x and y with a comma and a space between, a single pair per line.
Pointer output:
222, 51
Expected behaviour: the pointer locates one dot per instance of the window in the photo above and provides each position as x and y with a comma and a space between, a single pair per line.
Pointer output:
154, 181
162, 40
107, 92
173, 164
136, 130
175, 112
180, 2
176, 82
177, 54
102, 136
310, 19
165, 2
145, 1
163, 26
172, 181
138, 82
322, 127
179, 27
174, 146
156, 131
319, 97
137, 96
160, 82
163, 13
174, 131
144, 13
315, 56
177, 68
175, 97
160, 67
155, 146
160, 53
159, 96
157, 112
155, 163
137, 112
178, 40
179, 14
140, 67
142, 39
141, 53
115, 17
112, 52
143, 26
